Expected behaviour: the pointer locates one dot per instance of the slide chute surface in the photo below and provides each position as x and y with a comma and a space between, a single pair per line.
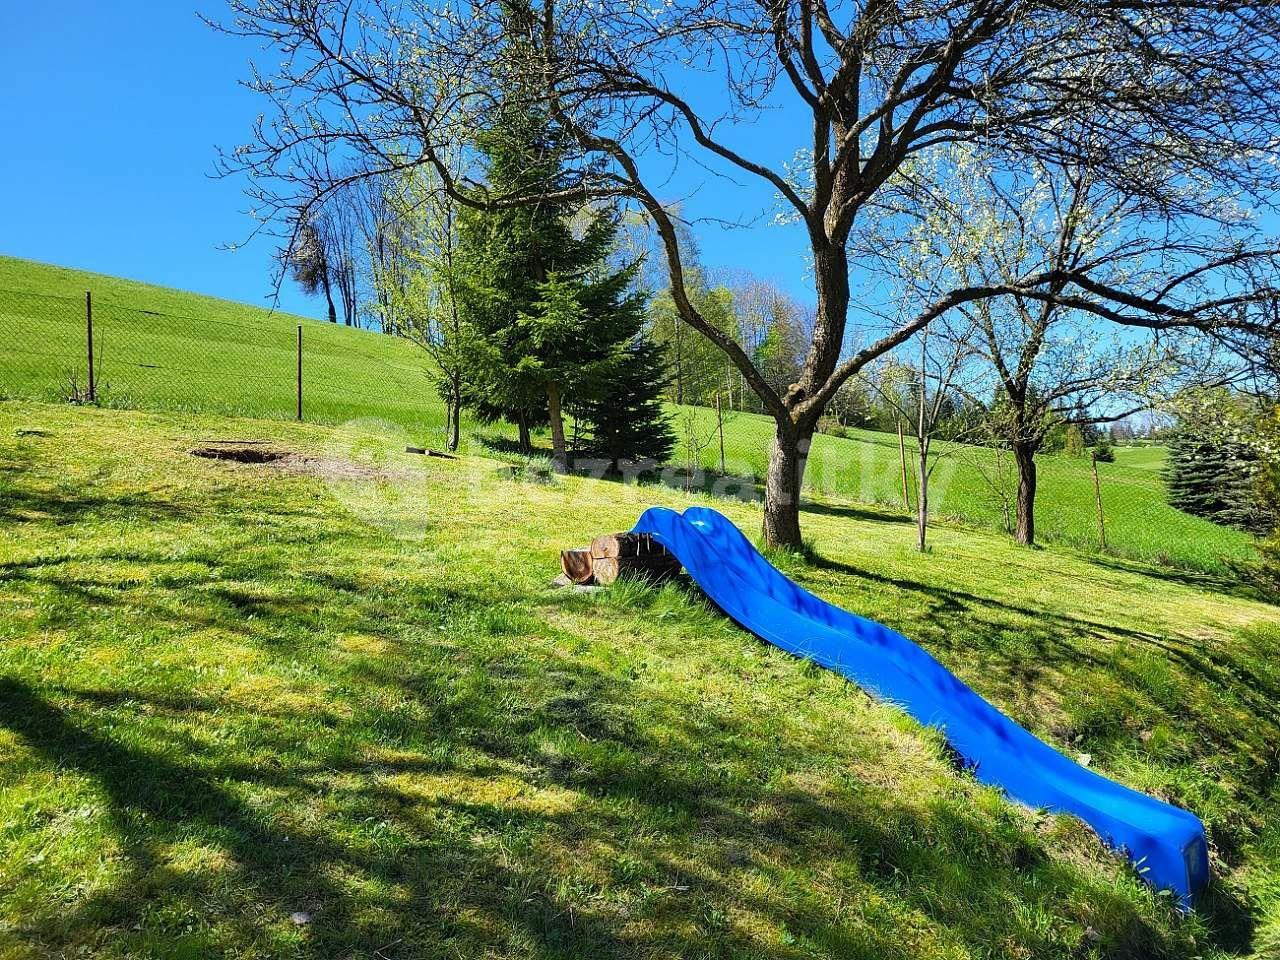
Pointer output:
1166, 842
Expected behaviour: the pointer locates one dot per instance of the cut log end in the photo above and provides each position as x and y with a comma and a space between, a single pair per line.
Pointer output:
577, 564
626, 545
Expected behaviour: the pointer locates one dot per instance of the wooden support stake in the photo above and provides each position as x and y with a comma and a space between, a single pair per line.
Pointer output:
902, 453
1097, 497
720, 428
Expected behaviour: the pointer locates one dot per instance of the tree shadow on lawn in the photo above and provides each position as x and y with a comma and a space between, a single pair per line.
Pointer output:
864, 513
1052, 653
660, 850
1060, 639
63, 506
677, 825
1225, 586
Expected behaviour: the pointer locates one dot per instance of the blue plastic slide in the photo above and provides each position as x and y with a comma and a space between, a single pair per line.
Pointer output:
1167, 843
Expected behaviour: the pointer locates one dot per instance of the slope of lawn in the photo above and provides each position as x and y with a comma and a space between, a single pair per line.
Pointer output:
166, 349
1151, 458
866, 467
335, 710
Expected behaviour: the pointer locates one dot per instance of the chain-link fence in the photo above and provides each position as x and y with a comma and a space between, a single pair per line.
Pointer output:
88, 350
229, 361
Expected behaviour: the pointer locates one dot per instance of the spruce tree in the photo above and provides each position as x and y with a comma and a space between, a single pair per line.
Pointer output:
503, 257
559, 326
1215, 479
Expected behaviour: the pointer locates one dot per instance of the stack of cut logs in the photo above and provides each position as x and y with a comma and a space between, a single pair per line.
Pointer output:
614, 555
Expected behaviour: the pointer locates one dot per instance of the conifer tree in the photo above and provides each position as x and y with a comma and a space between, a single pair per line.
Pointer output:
503, 256
558, 324
1215, 479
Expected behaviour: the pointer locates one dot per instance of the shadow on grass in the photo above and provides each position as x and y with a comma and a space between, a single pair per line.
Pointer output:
421, 826
1047, 653
849, 511
1226, 586
479, 785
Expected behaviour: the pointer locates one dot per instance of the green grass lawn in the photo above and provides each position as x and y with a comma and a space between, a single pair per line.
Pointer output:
866, 467
1150, 459
167, 349
336, 711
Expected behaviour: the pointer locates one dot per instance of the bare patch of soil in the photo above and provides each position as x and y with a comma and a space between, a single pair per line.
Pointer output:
257, 452
240, 453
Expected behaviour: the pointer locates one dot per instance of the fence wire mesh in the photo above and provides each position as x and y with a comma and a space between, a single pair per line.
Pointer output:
172, 361
219, 362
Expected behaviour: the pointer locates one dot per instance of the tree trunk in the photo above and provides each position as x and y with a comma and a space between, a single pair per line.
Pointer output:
455, 416
559, 455
525, 441
1024, 454
782, 485
328, 296
678, 331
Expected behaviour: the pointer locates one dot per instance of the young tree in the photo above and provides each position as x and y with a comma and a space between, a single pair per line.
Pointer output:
1154, 94
418, 298
627, 420
924, 400
308, 263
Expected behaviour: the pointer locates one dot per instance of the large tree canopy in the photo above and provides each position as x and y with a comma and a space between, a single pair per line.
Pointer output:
1169, 101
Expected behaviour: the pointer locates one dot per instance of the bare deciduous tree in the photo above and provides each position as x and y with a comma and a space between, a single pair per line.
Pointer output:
421, 297
939, 373
1156, 94
1050, 361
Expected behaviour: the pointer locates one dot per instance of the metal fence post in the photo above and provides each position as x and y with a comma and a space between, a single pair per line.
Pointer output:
299, 371
88, 326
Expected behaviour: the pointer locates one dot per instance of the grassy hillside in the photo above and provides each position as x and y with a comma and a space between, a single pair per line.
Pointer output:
334, 710
1147, 458
168, 349
161, 348
866, 468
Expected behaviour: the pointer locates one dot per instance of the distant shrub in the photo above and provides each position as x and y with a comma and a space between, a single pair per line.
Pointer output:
1104, 452
832, 427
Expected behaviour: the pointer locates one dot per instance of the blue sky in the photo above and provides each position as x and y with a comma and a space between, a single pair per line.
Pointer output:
113, 112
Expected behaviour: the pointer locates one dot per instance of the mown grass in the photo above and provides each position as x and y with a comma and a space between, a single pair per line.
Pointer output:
232, 694
866, 467
167, 349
